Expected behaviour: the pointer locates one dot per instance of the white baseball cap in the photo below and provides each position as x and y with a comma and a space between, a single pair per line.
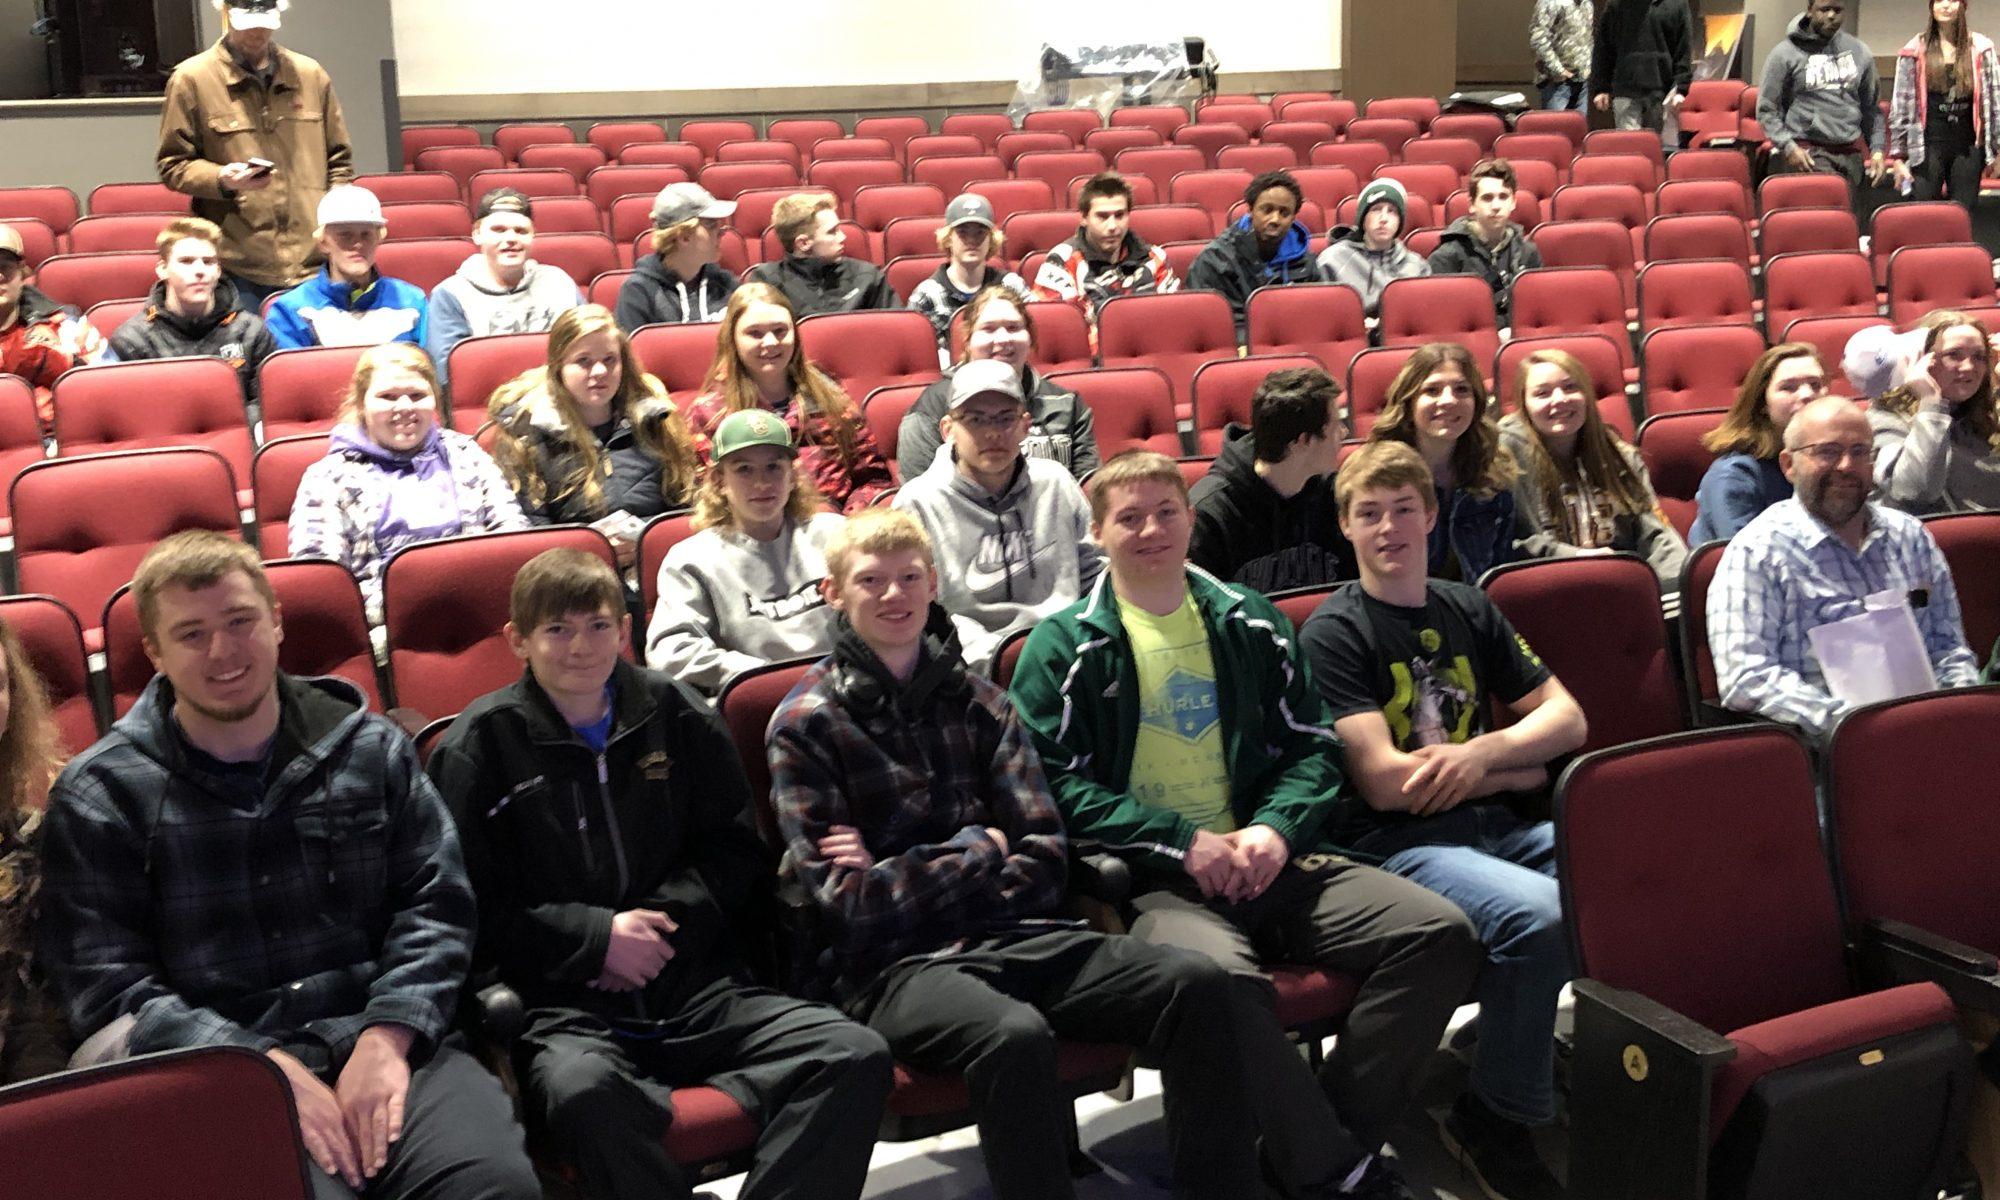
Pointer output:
255, 14
349, 204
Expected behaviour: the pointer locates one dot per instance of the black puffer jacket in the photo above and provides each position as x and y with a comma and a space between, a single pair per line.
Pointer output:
819, 285
1245, 532
238, 338
654, 295
559, 840
630, 474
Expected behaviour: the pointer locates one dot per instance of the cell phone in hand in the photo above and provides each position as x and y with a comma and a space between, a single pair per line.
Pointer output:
260, 166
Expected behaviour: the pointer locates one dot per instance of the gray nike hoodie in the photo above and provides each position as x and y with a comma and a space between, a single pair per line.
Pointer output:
729, 602
1004, 562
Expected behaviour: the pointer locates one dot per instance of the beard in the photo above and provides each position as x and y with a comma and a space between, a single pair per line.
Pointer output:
1833, 506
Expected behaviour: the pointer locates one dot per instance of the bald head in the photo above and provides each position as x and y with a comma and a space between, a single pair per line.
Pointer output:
1827, 419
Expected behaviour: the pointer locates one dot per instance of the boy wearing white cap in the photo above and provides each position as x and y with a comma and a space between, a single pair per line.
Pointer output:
968, 238
680, 281
349, 303
257, 176
1012, 532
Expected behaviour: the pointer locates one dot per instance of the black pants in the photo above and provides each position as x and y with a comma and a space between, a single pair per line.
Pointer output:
1950, 169
995, 1011
460, 1140
814, 1080
1414, 953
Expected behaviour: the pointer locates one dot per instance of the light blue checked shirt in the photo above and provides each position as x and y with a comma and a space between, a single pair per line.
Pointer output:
1786, 573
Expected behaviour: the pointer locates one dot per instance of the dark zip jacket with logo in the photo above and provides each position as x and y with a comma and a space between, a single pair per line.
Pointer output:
560, 839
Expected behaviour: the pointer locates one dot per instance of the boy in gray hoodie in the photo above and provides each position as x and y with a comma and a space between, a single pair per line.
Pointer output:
1817, 101
499, 289
1012, 533
1369, 253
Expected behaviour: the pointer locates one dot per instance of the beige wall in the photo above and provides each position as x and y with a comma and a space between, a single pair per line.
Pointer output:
82, 143
466, 48
1493, 43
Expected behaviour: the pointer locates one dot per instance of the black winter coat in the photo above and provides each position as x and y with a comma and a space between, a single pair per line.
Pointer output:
1245, 532
817, 285
558, 840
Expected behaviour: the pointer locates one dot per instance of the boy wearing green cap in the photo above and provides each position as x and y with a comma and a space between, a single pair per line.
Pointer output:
744, 590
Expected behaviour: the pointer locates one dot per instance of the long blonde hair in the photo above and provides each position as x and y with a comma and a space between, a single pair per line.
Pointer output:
1479, 463
1599, 452
31, 747
813, 390
1976, 415
667, 440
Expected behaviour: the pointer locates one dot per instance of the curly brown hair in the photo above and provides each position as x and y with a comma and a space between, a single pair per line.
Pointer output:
1479, 463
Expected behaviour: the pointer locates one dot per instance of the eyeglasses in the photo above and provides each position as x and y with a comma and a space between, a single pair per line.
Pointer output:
989, 422
1829, 454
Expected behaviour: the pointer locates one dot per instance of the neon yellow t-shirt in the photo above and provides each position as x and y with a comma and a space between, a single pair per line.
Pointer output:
1177, 760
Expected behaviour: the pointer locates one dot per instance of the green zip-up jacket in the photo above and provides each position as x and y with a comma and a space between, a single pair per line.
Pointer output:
1077, 686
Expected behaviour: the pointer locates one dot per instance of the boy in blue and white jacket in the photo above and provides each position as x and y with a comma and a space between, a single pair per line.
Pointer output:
349, 303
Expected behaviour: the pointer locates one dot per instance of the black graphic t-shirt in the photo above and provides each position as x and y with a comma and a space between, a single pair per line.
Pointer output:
1429, 671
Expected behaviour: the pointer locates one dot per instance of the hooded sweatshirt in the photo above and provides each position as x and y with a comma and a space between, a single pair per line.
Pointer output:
1460, 251
1245, 532
1234, 265
1004, 561
826, 285
238, 338
729, 602
630, 474
654, 295
1059, 426
362, 503
1819, 91
1347, 259
320, 312
462, 307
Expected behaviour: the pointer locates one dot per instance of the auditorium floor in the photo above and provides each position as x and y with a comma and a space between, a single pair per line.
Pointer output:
1129, 1140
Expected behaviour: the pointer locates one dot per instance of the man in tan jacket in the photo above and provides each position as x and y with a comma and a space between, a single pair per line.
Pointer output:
255, 134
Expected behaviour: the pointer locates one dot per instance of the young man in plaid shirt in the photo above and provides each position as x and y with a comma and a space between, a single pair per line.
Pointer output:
916, 813
253, 859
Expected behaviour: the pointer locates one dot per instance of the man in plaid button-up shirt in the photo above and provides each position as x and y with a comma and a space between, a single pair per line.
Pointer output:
255, 860
1815, 558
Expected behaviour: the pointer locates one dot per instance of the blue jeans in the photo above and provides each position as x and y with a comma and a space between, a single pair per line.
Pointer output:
1502, 871
1567, 94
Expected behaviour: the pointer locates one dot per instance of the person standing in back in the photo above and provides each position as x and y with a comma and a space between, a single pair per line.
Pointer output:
1559, 33
255, 134
1643, 61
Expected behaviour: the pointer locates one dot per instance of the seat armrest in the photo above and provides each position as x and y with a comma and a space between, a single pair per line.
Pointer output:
1099, 874
498, 1015
1894, 952
1639, 1065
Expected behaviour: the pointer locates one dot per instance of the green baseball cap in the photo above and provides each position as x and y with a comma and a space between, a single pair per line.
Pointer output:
751, 427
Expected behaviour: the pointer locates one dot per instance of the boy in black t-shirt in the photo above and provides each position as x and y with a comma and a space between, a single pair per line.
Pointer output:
1406, 664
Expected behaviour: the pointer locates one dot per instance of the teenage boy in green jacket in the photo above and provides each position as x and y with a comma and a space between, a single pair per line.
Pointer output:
1179, 728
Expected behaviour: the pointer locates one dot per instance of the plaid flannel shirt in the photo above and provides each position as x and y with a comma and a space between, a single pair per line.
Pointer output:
922, 781
1786, 573
339, 902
